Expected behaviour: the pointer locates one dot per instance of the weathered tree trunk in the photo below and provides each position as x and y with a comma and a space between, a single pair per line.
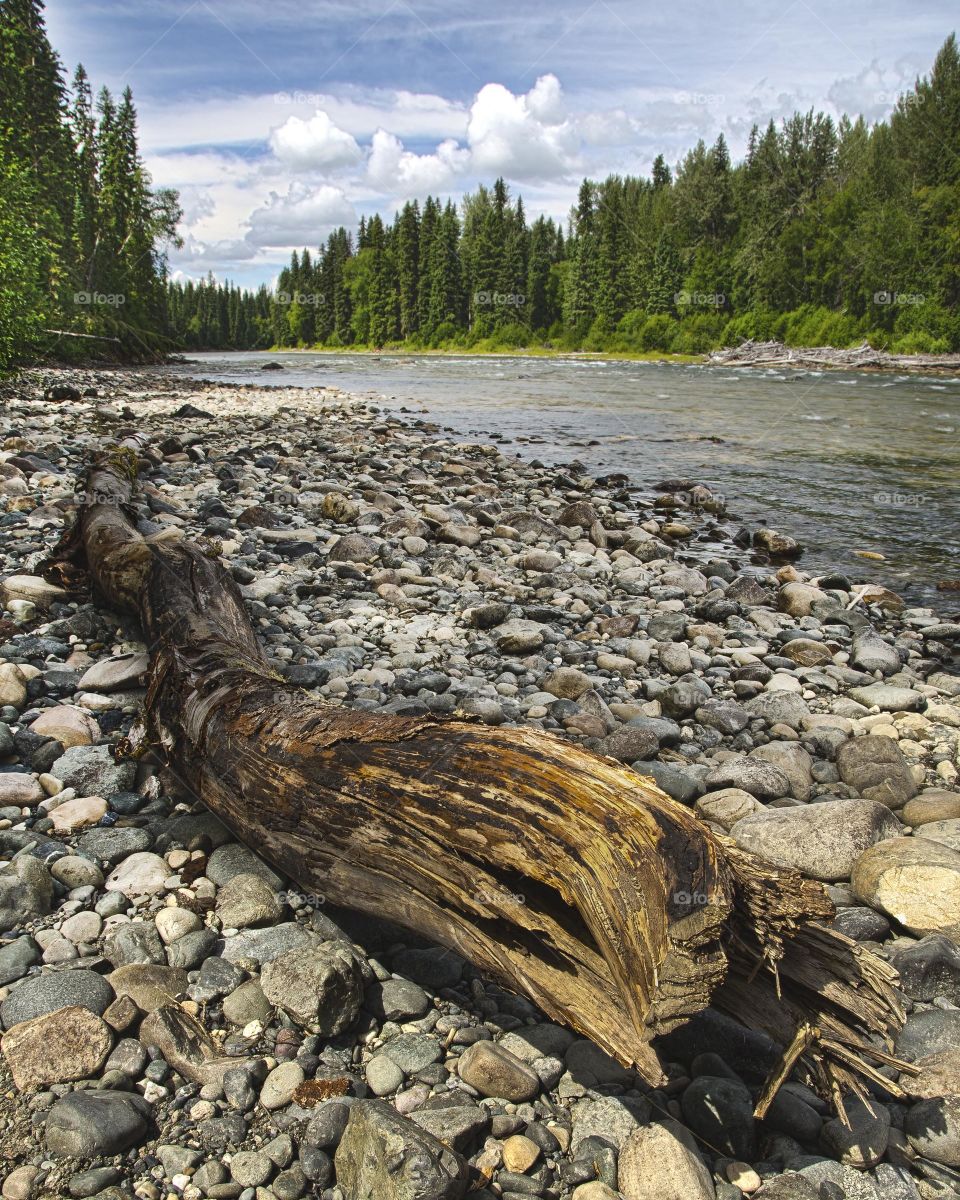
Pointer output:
565, 875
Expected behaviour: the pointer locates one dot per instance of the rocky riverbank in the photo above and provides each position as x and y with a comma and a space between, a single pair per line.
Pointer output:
182, 1022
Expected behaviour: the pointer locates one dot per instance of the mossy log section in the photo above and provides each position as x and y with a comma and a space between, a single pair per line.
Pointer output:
563, 874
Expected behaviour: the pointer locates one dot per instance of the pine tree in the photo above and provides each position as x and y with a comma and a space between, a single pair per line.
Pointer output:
407, 241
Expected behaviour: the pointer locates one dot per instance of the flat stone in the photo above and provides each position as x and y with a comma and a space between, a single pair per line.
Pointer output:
779, 708
520, 1153
13, 685
751, 775
726, 807
264, 945
914, 881
246, 1003
460, 1127
96, 1124
247, 899
250, 1169
567, 683
74, 872
116, 674
71, 726
78, 813
234, 858
926, 1032
175, 923
871, 653
70, 1043
32, 588
821, 840
519, 636
92, 771
46, 993
947, 833
17, 789
591, 1066
887, 697
629, 743
149, 985
280, 1084
932, 805
383, 1075
493, 1071
412, 1052
794, 761
112, 845
384, 1156
142, 874
397, 1000
133, 942
806, 653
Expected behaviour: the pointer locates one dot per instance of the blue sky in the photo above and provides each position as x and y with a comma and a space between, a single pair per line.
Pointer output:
279, 119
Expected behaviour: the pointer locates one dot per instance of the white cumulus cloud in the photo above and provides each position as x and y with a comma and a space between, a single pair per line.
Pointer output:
403, 173
523, 136
315, 143
303, 216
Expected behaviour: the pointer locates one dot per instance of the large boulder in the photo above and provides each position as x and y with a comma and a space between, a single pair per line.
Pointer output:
96, 1124
26, 890
319, 986
661, 1162
71, 1043
914, 881
875, 767
53, 990
821, 840
384, 1156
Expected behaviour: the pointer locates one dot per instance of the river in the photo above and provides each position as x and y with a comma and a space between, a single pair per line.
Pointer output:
842, 461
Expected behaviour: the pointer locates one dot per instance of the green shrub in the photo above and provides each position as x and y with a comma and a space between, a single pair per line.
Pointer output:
657, 333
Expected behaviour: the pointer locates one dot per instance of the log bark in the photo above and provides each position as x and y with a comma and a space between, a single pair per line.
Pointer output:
563, 874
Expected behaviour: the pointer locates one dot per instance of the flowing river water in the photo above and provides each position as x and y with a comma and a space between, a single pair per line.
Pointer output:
842, 461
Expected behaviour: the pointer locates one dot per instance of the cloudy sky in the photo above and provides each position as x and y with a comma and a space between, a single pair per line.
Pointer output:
278, 120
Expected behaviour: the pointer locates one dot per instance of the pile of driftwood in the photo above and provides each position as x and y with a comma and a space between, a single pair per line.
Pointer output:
635, 916
776, 354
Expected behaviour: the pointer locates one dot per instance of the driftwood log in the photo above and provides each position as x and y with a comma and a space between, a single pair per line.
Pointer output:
862, 357
565, 875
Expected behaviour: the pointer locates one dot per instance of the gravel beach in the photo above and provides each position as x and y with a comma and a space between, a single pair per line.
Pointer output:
386, 566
